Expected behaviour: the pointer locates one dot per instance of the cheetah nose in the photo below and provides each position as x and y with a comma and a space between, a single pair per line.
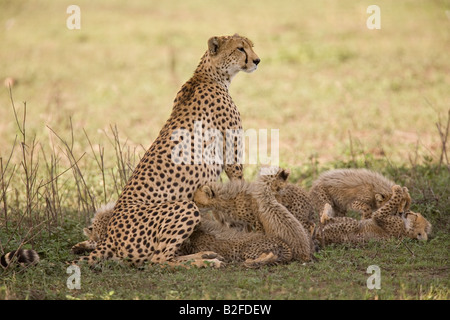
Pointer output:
256, 61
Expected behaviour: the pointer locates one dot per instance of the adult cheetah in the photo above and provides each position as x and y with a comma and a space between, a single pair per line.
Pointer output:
155, 212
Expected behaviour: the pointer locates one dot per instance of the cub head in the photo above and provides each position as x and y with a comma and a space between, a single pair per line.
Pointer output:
275, 177
231, 54
417, 227
204, 196
381, 199
88, 232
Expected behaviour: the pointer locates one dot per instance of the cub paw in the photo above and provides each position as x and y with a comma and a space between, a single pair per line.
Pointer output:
396, 189
327, 213
211, 255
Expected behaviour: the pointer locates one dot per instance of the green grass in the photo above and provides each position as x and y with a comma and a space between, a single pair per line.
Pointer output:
339, 274
409, 269
340, 94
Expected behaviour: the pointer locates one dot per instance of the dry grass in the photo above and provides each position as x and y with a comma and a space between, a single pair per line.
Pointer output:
323, 73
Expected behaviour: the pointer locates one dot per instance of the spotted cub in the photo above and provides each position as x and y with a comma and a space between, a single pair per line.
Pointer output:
252, 249
97, 230
359, 190
391, 220
255, 205
234, 205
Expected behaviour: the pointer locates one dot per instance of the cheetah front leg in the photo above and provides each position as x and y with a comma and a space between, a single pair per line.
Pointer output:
395, 205
387, 217
83, 247
234, 171
336, 229
406, 199
232, 155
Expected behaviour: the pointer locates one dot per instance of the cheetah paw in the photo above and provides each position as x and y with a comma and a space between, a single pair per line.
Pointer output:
263, 259
212, 263
327, 213
211, 255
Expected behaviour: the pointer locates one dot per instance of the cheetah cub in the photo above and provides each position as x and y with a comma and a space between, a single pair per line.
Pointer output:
233, 204
254, 206
391, 220
276, 219
253, 249
97, 230
360, 190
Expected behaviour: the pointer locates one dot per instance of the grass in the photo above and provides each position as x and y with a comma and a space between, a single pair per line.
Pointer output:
409, 269
339, 274
340, 94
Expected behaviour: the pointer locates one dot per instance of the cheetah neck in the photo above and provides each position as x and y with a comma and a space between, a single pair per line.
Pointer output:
208, 72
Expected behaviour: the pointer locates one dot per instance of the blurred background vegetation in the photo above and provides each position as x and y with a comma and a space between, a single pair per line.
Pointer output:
324, 79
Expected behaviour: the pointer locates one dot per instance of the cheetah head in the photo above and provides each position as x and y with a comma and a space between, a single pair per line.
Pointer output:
203, 196
381, 199
88, 232
232, 54
417, 227
274, 177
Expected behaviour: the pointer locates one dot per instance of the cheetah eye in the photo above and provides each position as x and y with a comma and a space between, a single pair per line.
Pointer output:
241, 49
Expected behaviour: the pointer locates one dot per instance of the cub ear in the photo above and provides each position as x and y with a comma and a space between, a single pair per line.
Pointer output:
409, 218
87, 231
208, 191
213, 45
428, 227
284, 174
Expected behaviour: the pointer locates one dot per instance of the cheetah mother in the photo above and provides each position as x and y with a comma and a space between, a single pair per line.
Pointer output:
155, 212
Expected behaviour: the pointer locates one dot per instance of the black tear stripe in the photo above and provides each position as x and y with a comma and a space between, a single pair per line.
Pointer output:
246, 55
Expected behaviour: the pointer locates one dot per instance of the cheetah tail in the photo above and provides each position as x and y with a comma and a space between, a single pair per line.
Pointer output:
22, 257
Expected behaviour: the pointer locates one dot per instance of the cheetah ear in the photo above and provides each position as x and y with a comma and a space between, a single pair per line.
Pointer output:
428, 227
208, 191
87, 231
409, 218
379, 197
213, 45
284, 174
